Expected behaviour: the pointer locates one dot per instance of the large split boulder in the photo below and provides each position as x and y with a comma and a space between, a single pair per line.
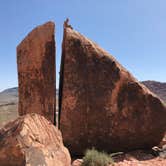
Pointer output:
36, 72
32, 140
101, 104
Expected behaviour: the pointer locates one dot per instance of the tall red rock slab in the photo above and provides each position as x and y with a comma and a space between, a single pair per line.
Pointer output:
101, 104
32, 140
36, 72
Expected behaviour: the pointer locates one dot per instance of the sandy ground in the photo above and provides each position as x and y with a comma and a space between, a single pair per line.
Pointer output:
136, 158
139, 158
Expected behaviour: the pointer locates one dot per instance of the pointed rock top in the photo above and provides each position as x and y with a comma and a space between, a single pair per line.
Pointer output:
66, 24
41, 32
96, 89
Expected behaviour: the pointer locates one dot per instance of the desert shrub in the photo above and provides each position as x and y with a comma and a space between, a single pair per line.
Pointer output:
95, 158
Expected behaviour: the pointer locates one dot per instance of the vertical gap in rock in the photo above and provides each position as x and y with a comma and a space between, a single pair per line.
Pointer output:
55, 123
61, 75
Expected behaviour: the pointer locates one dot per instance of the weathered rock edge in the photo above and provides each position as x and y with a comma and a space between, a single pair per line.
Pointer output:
32, 140
36, 72
101, 104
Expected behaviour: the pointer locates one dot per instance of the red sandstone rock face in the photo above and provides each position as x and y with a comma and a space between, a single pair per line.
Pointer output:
101, 104
36, 72
32, 140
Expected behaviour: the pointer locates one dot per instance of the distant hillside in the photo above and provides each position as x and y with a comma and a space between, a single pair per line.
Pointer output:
9, 96
158, 88
8, 105
12, 91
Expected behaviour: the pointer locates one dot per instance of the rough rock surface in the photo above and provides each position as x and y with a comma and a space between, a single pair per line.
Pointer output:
36, 72
32, 140
101, 104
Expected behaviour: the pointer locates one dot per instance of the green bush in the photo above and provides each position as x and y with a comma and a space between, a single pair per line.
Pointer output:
94, 158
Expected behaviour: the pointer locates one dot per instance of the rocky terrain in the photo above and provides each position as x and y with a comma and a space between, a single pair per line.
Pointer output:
32, 140
9, 100
102, 108
159, 88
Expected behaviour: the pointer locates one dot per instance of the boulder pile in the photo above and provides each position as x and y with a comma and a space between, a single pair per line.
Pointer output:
101, 104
